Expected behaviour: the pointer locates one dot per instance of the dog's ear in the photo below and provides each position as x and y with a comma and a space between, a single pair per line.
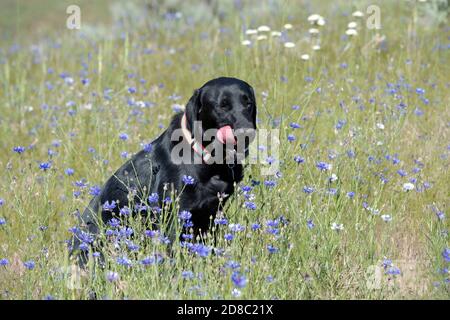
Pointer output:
193, 109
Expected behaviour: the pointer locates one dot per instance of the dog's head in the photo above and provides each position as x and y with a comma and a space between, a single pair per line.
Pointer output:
227, 105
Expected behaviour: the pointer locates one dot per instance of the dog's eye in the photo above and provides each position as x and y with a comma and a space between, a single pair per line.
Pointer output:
224, 104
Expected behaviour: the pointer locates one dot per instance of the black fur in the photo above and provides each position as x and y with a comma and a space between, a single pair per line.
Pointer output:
222, 101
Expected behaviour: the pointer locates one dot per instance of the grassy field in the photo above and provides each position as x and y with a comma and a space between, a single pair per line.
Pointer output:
357, 210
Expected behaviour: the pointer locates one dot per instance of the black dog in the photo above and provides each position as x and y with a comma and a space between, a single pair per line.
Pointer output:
222, 104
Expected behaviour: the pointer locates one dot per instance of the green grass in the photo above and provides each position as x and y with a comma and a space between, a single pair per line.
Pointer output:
40, 111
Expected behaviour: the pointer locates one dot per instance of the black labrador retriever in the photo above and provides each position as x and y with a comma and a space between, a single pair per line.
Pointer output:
178, 160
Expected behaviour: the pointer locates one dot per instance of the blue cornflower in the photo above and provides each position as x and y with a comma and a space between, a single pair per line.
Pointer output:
2, 221
187, 236
236, 227
140, 207
188, 224
231, 264
69, 171
200, 249
221, 221
246, 188
29, 264
402, 173
81, 183
153, 198
272, 249
2, 202
84, 236
340, 124
147, 147
151, 233
114, 222
132, 90
393, 271
187, 275
272, 223
270, 183
310, 224
332, 191
124, 261
239, 280
295, 125
123, 136
274, 231
44, 166
4, 262
351, 153
132, 246
229, 236
185, 215
291, 137
350, 194
270, 160
299, 159
387, 263
109, 206
95, 191
420, 91
446, 254
112, 276
250, 205
125, 211
167, 200
323, 166
188, 180
256, 226
19, 149
84, 246
308, 190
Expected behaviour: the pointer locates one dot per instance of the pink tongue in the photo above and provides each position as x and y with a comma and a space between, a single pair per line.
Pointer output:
225, 135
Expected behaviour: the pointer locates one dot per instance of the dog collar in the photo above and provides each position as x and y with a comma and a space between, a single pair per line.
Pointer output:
198, 148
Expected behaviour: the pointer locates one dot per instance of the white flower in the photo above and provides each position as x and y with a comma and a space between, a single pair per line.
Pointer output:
337, 227
352, 25
140, 104
87, 106
351, 32
304, 57
314, 17
236, 292
333, 178
313, 31
321, 22
263, 29
386, 217
246, 42
358, 14
380, 126
289, 44
287, 26
316, 47
408, 186
373, 211
251, 32
275, 34
261, 37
